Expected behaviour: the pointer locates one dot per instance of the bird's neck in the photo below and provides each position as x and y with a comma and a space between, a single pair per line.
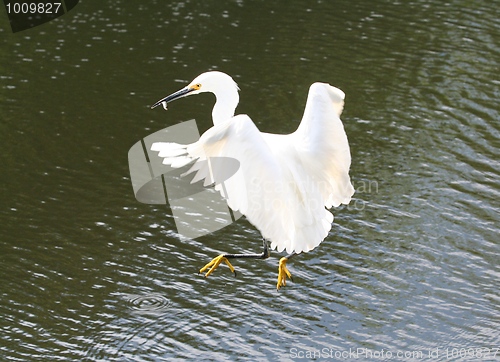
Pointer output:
225, 105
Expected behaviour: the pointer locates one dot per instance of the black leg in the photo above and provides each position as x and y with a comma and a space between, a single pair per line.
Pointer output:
264, 255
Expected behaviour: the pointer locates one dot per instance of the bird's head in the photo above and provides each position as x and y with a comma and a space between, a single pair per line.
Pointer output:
214, 82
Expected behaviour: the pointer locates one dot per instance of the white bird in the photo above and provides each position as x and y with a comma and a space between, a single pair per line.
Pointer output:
285, 183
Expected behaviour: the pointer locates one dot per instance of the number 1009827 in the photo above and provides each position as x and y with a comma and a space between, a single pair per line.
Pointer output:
33, 8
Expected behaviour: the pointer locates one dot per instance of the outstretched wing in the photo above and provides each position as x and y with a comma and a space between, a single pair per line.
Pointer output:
322, 144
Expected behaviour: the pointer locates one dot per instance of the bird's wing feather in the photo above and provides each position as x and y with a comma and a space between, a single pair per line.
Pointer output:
253, 190
322, 144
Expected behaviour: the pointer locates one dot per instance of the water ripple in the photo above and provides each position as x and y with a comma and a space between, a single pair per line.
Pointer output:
148, 303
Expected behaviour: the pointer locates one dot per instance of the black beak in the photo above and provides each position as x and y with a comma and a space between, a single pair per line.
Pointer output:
179, 94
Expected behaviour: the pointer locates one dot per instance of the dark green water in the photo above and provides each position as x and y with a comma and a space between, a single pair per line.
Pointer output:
411, 266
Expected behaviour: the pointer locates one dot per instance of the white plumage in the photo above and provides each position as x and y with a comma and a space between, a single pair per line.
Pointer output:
285, 183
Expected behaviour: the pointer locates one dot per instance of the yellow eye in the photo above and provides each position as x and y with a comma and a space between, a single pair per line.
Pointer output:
196, 86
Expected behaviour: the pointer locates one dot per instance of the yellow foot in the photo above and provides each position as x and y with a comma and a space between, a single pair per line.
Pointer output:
215, 263
283, 273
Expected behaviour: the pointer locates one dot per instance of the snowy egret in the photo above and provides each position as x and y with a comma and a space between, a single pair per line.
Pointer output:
285, 183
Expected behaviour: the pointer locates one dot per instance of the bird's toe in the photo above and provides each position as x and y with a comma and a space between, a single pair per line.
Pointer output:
214, 263
283, 273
